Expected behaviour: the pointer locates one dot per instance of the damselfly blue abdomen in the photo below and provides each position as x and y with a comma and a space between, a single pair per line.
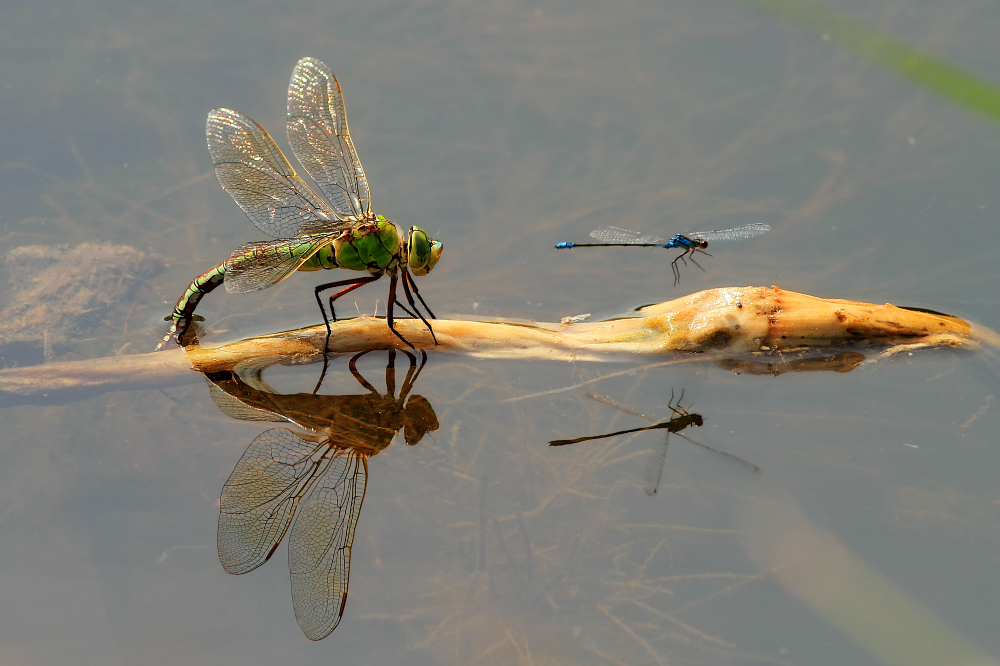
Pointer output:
690, 242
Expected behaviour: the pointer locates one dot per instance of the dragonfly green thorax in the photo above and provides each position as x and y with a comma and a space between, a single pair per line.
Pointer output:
373, 247
376, 247
309, 233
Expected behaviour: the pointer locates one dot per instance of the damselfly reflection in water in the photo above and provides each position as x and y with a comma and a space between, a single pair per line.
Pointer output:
689, 241
681, 419
317, 476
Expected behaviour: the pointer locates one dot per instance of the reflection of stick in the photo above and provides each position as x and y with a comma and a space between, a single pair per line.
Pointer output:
715, 324
864, 604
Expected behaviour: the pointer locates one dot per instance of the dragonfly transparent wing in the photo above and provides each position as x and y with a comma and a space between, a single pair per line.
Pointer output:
624, 236
317, 131
261, 495
259, 264
736, 233
258, 177
319, 547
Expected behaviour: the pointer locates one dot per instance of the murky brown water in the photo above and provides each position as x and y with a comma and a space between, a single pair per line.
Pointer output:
503, 130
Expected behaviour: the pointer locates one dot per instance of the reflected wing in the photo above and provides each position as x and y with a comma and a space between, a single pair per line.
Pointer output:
617, 405
746, 465
317, 132
258, 177
736, 233
319, 547
235, 408
624, 236
261, 495
260, 264
654, 469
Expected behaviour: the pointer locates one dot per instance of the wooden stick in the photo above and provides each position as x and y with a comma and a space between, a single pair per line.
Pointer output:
715, 324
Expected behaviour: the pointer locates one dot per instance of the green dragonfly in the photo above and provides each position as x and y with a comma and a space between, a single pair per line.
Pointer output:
310, 234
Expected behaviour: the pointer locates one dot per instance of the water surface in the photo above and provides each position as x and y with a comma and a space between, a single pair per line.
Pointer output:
503, 130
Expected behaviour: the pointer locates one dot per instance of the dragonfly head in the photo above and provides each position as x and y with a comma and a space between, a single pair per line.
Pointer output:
422, 252
700, 243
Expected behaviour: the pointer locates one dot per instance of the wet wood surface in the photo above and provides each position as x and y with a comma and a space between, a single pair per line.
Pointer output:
712, 325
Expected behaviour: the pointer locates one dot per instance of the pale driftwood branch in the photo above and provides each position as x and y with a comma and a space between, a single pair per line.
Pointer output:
715, 324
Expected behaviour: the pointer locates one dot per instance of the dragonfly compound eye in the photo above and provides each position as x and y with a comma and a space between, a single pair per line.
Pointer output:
423, 253
702, 243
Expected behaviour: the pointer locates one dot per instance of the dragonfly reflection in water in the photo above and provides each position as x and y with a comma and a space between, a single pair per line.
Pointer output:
681, 418
689, 241
318, 474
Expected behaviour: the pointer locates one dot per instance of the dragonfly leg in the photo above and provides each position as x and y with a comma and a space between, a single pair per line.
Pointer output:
406, 309
413, 315
676, 269
407, 283
683, 257
353, 366
353, 284
691, 256
388, 316
416, 291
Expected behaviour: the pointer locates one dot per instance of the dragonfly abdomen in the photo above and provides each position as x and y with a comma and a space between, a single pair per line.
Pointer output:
200, 286
184, 310
325, 258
